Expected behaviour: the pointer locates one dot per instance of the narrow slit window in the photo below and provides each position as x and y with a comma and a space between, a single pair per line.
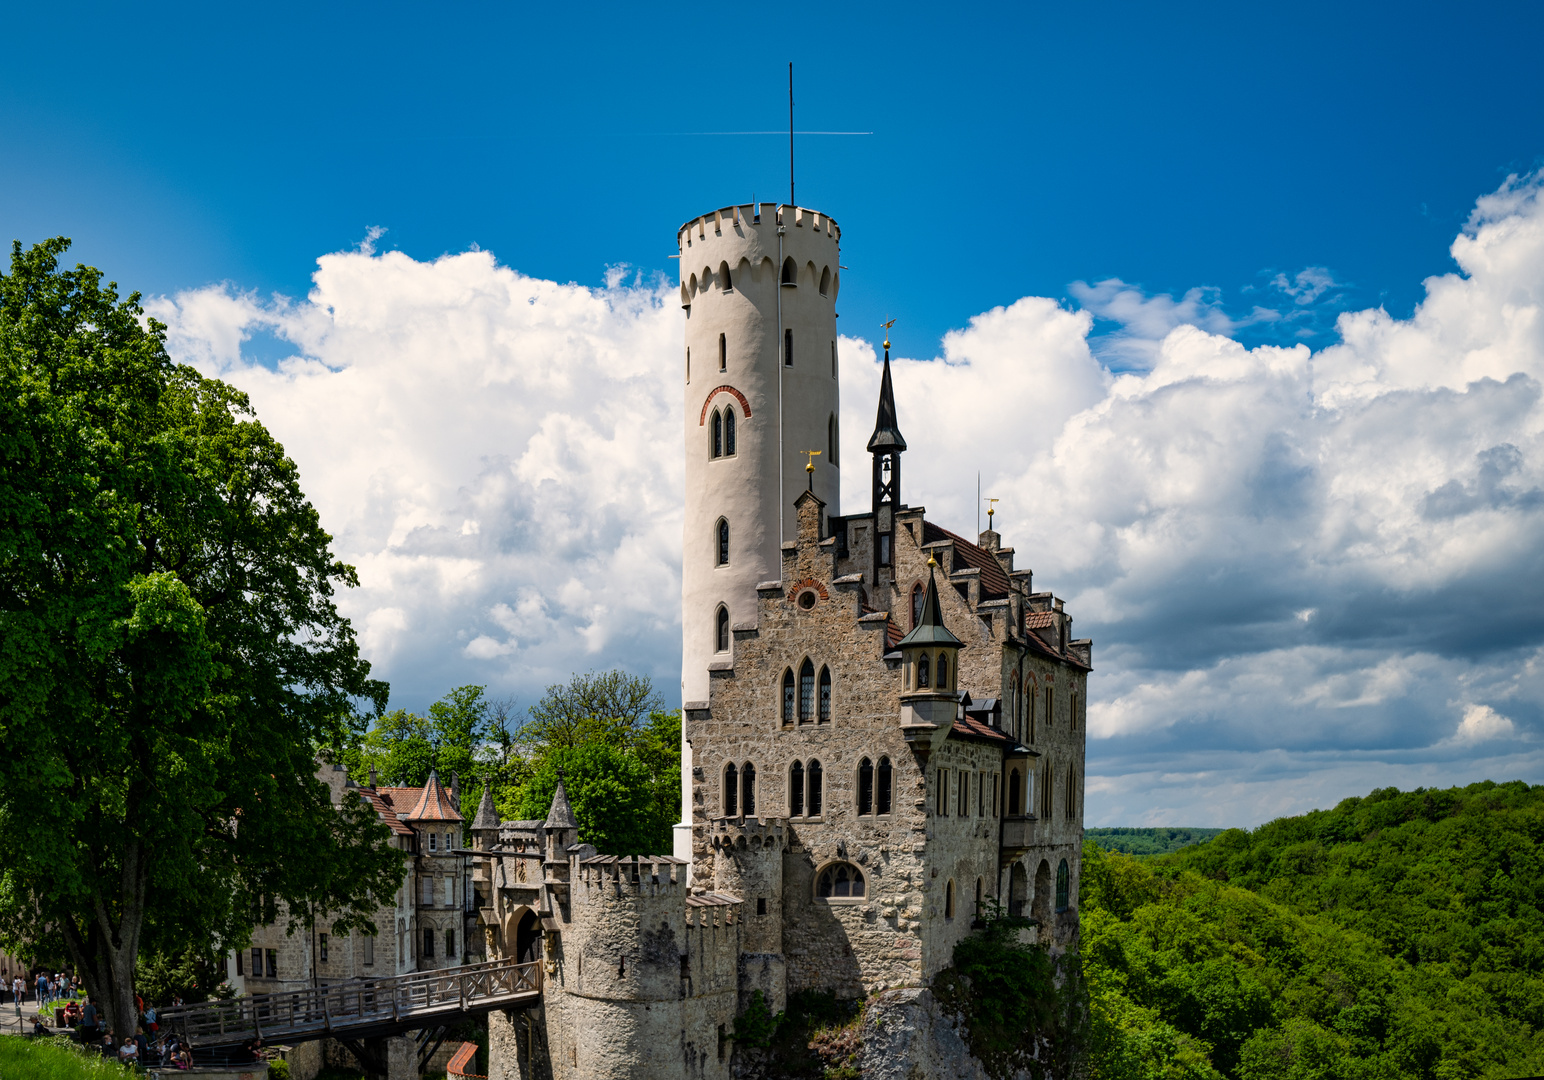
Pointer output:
806, 692
796, 790
716, 440
831, 439
723, 353
825, 695
816, 786
916, 605
882, 796
833, 360
723, 542
729, 432
748, 789
943, 672
788, 700
788, 348
865, 786
731, 790
721, 629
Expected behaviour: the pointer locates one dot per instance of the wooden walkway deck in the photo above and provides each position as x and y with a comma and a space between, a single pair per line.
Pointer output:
357, 1009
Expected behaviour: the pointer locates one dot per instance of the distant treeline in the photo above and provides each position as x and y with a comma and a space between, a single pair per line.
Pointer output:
1148, 841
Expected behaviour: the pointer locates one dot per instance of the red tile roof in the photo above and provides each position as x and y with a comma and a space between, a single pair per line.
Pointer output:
383, 809
1039, 620
971, 728
994, 582
434, 804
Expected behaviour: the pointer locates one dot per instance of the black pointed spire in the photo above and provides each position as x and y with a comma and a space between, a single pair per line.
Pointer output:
887, 435
930, 628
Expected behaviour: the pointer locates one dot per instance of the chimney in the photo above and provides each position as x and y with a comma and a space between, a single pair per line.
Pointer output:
373, 781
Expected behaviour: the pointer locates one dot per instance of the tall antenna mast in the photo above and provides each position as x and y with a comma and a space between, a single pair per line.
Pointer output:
791, 201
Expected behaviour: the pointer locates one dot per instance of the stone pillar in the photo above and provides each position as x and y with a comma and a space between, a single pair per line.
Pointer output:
401, 1058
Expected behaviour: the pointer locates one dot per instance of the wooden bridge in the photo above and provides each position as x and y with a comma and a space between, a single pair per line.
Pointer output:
358, 1008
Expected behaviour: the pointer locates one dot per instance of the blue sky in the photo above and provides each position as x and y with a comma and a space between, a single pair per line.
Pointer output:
1308, 572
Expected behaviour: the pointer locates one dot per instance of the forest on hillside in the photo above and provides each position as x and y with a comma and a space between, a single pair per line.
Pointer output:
1397, 935
1147, 841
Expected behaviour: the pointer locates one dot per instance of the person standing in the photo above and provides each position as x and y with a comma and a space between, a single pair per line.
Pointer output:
88, 1022
43, 994
16, 989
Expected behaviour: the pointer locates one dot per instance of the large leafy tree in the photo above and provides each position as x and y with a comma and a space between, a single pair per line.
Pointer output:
171, 659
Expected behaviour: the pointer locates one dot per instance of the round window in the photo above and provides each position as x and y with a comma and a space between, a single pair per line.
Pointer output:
807, 599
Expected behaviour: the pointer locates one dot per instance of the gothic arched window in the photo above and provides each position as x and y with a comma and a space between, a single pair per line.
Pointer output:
943, 672
788, 713
1063, 887
790, 271
796, 790
731, 790
922, 674
839, 880
806, 692
721, 629
882, 797
721, 539
748, 789
865, 786
817, 787
825, 695
729, 432
916, 604
716, 446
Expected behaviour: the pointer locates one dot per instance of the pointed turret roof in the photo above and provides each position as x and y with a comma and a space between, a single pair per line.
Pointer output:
487, 816
561, 816
886, 434
434, 804
930, 628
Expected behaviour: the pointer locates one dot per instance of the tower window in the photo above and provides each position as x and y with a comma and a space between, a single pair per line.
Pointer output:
806, 692
722, 537
949, 900
833, 360
788, 348
731, 790
723, 273
729, 432
825, 695
882, 796
916, 604
788, 713
831, 439
825, 282
923, 675
865, 786
815, 779
748, 789
721, 629
723, 353
688, 363
796, 790
716, 444
790, 271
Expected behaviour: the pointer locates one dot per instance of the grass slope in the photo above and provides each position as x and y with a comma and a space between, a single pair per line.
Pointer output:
54, 1059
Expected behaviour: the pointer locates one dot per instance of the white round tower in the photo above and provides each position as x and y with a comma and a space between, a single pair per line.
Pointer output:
758, 289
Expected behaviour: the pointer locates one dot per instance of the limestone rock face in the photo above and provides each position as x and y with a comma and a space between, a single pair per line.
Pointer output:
907, 1036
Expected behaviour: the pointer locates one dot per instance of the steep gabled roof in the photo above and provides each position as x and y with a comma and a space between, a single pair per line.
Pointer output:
384, 811
487, 816
887, 433
994, 582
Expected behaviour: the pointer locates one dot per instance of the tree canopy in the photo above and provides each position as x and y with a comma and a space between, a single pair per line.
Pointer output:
1397, 935
171, 658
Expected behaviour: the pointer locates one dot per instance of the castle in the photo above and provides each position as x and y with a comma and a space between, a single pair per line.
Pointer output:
884, 722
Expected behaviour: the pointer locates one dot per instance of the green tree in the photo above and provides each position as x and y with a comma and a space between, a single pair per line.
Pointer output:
608, 789
171, 659
610, 706
403, 747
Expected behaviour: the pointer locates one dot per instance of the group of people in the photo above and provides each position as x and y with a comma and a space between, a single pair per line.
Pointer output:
147, 1047
44, 987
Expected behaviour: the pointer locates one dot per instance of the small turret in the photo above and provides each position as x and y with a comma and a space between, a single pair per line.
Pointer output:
886, 445
485, 826
930, 664
562, 833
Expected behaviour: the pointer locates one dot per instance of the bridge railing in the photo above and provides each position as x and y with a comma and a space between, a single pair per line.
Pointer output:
320, 1010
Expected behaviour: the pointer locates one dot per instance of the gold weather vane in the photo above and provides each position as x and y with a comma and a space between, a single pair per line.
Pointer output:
990, 510
887, 326
809, 465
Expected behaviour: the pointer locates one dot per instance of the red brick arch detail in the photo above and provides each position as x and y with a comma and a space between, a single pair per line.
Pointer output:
725, 389
808, 583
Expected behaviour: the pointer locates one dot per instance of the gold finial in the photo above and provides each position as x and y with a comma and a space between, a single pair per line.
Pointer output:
990, 510
809, 459
932, 561
887, 326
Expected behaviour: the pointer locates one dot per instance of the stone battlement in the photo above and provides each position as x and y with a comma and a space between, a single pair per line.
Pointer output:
617, 876
748, 833
754, 216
